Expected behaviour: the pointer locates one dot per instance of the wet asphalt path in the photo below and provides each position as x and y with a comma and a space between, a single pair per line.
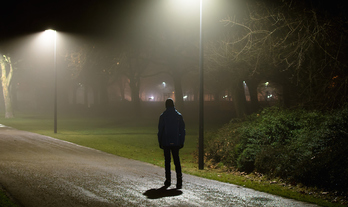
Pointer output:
42, 171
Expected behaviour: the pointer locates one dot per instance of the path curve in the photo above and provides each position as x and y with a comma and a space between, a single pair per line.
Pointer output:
42, 171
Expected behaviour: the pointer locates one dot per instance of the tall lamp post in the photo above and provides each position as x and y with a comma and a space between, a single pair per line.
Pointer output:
54, 34
201, 92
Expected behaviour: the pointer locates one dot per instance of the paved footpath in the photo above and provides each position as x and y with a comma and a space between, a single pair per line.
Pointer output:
42, 171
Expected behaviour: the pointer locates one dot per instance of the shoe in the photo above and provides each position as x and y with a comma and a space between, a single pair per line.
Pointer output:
167, 183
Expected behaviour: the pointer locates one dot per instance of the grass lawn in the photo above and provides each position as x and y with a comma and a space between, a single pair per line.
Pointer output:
137, 139
5, 201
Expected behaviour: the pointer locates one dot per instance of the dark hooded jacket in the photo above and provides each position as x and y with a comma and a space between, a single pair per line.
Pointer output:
171, 128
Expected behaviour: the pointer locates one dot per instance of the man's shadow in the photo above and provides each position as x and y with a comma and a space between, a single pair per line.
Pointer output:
162, 192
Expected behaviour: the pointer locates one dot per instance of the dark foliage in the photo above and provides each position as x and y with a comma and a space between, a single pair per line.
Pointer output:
297, 145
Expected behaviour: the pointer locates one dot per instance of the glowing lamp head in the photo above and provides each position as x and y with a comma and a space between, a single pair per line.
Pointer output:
48, 36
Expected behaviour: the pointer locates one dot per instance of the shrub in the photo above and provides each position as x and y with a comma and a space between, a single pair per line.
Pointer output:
220, 148
298, 145
328, 165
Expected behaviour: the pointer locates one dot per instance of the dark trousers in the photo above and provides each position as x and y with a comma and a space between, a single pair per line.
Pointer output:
176, 158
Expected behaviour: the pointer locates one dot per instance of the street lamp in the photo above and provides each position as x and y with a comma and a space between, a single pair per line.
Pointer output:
201, 92
53, 33
188, 5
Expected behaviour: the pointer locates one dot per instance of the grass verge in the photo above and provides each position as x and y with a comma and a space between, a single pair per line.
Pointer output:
5, 201
137, 139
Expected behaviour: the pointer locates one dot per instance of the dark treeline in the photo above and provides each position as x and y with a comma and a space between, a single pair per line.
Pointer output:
299, 47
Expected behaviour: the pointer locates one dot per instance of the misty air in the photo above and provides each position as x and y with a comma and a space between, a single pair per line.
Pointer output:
173, 103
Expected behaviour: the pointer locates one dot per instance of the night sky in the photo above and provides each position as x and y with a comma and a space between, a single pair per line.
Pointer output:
91, 17
112, 18
23, 17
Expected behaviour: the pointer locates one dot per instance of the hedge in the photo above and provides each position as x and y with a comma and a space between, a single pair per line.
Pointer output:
298, 145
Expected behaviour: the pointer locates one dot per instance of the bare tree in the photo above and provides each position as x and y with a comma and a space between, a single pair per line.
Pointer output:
179, 56
91, 66
295, 45
6, 77
222, 58
133, 63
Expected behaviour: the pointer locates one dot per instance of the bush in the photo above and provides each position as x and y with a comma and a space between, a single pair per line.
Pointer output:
328, 165
298, 145
220, 148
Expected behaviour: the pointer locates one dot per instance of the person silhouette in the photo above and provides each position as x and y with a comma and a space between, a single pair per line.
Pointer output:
171, 138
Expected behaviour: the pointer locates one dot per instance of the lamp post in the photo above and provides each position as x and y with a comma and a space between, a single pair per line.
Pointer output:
201, 75
54, 34
201, 93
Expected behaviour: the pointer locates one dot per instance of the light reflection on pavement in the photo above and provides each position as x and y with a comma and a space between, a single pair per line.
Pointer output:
42, 171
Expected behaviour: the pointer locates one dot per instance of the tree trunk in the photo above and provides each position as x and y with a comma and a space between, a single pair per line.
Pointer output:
286, 99
96, 99
252, 86
216, 95
13, 95
85, 95
121, 84
104, 98
134, 85
8, 104
238, 97
74, 96
179, 101
6, 80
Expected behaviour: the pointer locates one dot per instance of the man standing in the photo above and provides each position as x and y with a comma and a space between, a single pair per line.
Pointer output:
171, 138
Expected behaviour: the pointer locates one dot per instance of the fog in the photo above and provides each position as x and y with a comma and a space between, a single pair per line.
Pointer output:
117, 57
102, 35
